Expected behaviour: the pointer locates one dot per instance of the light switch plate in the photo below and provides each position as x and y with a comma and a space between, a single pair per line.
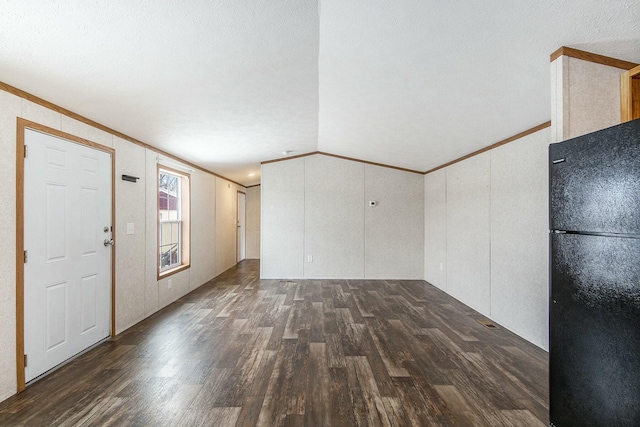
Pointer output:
130, 228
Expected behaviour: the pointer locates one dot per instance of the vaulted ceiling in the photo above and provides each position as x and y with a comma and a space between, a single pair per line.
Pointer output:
226, 84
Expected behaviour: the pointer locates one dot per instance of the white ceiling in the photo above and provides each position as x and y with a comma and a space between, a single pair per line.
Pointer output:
227, 84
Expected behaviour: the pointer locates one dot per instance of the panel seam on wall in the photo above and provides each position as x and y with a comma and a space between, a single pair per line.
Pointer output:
364, 222
304, 218
446, 231
145, 304
261, 231
490, 233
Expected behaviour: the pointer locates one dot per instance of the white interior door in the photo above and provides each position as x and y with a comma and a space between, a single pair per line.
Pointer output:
242, 232
67, 276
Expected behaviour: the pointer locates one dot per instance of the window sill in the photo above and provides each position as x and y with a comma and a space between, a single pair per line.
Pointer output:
167, 273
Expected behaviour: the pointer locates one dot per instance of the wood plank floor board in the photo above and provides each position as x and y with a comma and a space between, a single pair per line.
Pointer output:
335, 352
240, 351
341, 404
330, 325
389, 347
213, 389
317, 411
261, 379
351, 333
317, 321
250, 411
223, 417
368, 407
417, 410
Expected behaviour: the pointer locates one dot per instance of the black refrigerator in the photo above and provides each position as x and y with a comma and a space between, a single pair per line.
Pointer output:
594, 344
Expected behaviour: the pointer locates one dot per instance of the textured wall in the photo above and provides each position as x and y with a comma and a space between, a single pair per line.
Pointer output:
253, 222
203, 247
151, 295
593, 98
585, 97
394, 247
39, 114
130, 248
83, 130
320, 203
138, 293
435, 228
519, 236
10, 108
179, 286
468, 232
282, 232
333, 218
559, 82
495, 235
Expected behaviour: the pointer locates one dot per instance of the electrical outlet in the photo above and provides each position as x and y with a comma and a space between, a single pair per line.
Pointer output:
169, 284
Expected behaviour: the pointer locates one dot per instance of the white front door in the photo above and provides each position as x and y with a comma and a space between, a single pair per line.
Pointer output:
241, 226
67, 275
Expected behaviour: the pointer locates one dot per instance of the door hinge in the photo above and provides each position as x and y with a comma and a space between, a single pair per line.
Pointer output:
25, 360
25, 151
25, 257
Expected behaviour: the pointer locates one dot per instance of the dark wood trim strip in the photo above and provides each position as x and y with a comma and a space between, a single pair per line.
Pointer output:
492, 146
171, 272
630, 95
22, 125
251, 186
592, 57
289, 158
337, 156
370, 163
64, 135
20, 377
29, 97
114, 226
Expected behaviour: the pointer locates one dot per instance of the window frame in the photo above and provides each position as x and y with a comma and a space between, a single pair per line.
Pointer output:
184, 222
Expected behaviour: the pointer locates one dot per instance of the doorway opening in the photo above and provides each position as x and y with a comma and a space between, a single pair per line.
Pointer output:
64, 248
241, 234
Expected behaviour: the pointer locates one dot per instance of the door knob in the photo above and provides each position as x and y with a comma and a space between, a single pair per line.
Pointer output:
108, 242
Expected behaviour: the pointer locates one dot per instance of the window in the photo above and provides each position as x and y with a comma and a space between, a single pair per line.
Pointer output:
173, 221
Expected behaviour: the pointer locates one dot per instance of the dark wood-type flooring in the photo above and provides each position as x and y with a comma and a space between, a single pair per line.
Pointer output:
240, 351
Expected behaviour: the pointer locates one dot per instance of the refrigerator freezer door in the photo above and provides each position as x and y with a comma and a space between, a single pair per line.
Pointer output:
595, 181
594, 331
